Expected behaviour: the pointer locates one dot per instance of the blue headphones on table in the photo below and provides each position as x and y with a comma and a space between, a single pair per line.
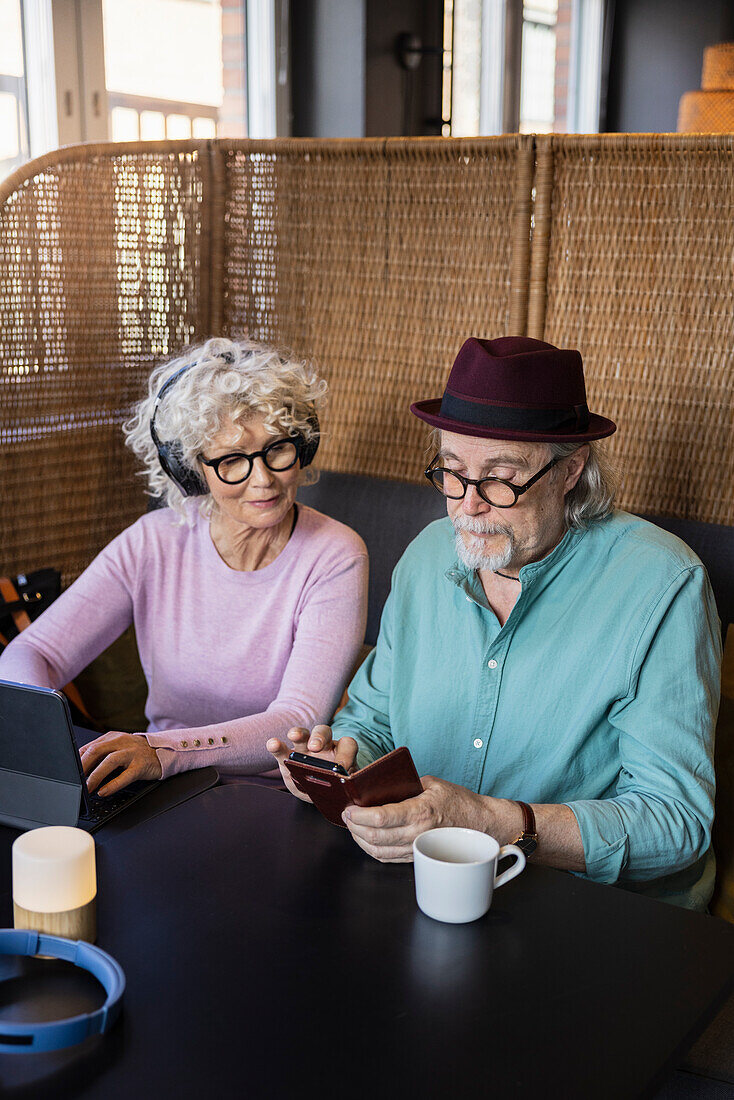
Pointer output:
27, 1037
170, 454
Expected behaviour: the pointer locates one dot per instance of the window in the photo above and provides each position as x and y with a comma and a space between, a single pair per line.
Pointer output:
126, 70
467, 68
156, 91
538, 67
533, 67
14, 144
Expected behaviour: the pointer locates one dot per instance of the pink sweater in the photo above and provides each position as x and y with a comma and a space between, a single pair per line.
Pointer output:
231, 658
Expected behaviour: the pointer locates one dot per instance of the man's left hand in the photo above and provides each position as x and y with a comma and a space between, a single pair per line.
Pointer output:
387, 832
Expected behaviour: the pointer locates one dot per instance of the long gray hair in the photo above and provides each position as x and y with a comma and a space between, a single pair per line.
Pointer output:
592, 497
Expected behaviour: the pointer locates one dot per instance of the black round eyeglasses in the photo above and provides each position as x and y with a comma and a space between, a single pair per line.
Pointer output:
493, 490
235, 468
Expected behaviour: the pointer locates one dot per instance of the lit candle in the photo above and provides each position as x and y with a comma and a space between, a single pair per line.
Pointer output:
55, 882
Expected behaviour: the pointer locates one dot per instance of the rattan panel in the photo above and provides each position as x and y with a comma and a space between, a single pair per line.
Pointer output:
638, 232
377, 259
103, 256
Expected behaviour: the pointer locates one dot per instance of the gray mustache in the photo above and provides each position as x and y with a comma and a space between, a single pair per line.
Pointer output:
475, 526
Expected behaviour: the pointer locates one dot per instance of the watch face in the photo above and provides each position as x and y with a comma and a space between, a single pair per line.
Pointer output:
527, 844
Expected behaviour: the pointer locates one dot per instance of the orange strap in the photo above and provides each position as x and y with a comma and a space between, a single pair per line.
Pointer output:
22, 620
10, 594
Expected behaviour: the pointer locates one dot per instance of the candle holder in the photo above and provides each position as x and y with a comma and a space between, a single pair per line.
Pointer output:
55, 882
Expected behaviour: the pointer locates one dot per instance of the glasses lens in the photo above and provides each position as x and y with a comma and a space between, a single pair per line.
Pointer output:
281, 455
497, 493
447, 483
234, 468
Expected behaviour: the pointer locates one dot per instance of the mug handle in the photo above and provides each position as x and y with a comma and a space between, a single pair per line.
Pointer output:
517, 866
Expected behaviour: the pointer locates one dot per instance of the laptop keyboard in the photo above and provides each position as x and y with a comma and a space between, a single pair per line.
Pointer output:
99, 809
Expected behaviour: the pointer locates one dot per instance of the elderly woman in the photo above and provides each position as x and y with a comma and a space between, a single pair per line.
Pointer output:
249, 609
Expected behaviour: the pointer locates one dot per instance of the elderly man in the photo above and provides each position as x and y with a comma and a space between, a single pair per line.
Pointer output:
552, 664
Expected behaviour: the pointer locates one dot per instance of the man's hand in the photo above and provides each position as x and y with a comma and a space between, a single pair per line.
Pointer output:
111, 751
318, 743
388, 832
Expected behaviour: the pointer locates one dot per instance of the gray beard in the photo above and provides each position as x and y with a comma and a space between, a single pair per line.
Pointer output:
472, 555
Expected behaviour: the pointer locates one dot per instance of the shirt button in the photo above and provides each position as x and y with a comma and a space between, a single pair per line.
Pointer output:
211, 741
478, 742
197, 742
184, 744
492, 664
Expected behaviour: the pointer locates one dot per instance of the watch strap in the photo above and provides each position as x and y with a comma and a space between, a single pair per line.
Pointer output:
528, 839
528, 819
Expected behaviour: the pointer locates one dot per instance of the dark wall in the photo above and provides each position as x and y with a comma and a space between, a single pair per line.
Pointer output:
399, 102
327, 68
345, 77
656, 55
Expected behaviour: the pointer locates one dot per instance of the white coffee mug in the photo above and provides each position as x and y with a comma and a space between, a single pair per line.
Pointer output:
456, 872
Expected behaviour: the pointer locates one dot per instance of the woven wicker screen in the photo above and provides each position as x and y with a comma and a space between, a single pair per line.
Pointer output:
633, 263
377, 259
103, 271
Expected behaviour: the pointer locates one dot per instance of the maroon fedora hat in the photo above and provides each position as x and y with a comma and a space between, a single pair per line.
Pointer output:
516, 388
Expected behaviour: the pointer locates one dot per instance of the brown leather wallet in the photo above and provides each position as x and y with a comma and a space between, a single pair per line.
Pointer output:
392, 778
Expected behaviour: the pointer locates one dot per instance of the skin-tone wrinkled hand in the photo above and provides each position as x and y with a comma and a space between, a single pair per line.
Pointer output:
317, 743
111, 751
386, 832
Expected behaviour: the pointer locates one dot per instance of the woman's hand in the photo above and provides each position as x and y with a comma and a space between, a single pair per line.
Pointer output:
318, 743
129, 751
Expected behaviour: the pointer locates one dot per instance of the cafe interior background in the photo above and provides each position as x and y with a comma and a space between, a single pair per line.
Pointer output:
218, 74
93, 70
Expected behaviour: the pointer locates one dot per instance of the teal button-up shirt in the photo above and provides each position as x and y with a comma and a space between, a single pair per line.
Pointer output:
601, 691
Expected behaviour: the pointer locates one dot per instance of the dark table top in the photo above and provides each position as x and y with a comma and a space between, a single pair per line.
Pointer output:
265, 953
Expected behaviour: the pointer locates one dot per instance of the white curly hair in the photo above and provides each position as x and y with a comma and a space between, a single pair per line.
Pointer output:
224, 381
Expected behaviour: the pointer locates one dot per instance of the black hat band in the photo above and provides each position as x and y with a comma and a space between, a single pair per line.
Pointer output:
575, 419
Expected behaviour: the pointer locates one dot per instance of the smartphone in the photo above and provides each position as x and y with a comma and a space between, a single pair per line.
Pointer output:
392, 778
315, 762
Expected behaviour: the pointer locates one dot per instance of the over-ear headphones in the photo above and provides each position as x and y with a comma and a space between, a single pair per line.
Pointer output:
189, 480
26, 1037
170, 455
307, 448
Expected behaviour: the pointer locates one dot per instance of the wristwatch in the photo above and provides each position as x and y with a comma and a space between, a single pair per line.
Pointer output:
527, 841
